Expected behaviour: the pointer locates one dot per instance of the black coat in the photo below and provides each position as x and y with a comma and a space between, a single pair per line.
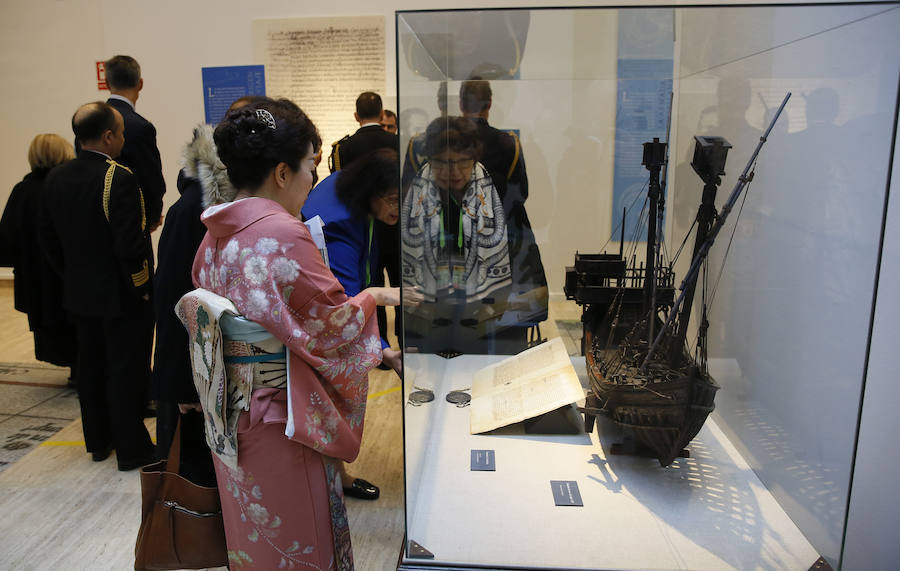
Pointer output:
38, 289
180, 238
18, 241
93, 229
141, 155
502, 156
364, 140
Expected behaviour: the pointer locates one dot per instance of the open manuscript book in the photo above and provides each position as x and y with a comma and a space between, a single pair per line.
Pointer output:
534, 382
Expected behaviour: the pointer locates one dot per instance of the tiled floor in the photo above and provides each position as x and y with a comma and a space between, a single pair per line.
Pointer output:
35, 404
60, 510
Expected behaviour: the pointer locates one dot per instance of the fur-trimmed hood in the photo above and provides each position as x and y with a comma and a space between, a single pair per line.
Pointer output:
200, 161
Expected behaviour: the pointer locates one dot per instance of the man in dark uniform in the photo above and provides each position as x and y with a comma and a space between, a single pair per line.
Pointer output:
503, 159
123, 75
389, 121
369, 137
93, 228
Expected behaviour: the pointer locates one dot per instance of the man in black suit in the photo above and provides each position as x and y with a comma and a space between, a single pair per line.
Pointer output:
93, 228
502, 157
389, 121
369, 137
123, 75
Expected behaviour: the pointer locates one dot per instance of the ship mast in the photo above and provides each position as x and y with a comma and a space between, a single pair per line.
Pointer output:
654, 159
709, 163
688, 284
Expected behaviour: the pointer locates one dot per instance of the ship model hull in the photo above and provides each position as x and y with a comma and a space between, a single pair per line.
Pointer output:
664, 415
663, 398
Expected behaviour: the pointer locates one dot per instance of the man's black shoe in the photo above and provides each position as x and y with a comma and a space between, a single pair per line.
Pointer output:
102, 455
126, 465
362, 489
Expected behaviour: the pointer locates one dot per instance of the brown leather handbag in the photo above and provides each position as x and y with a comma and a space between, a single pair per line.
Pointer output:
181, 522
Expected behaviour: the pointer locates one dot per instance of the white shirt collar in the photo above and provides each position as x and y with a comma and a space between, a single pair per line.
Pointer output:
121, 98
369, 124
98, 152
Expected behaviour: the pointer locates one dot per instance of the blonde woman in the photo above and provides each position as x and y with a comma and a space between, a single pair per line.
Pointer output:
38, 290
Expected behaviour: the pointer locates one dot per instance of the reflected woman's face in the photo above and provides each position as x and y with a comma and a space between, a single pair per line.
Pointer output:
452, 170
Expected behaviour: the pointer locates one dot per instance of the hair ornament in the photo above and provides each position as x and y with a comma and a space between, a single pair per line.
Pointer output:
266, 117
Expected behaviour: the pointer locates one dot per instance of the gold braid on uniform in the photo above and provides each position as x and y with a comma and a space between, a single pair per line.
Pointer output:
143, 213
515, 161
107, 187
335, 156
141, 277
411, 154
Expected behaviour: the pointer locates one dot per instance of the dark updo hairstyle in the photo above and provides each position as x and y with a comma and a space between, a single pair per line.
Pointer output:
372, 175
251, 145
450, 133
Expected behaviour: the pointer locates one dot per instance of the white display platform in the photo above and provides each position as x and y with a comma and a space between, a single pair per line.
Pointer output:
709, 511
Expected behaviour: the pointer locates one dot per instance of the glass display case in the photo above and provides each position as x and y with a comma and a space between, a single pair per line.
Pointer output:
641, 140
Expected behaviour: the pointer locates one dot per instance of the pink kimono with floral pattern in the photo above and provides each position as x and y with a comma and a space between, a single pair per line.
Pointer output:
283, 506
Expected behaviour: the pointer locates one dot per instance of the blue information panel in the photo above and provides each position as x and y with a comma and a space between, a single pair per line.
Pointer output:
222, 85
642, 109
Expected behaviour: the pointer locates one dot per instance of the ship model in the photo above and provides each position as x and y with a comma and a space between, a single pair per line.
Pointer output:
643, 374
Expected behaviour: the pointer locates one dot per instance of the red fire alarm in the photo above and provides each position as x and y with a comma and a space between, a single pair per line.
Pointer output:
101, 77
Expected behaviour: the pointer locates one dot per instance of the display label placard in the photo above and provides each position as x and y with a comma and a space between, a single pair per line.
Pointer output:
222, 85
483, 461
565, 493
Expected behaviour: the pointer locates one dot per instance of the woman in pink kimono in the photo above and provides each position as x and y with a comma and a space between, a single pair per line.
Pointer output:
280, 354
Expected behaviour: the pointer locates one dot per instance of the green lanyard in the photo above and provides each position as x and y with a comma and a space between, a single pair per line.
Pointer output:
459, 233
369, 252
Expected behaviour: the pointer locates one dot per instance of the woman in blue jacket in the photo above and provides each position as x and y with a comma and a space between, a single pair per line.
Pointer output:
349, 202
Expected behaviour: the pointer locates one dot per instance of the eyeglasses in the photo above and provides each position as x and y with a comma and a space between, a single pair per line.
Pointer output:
461, 165
392, 199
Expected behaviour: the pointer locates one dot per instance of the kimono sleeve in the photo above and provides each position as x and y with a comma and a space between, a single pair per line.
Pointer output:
332, 339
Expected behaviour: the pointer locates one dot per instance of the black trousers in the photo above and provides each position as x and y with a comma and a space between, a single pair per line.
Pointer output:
388, 239
113, 375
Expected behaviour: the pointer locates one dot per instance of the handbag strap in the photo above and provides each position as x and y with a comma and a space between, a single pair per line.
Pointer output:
174, 461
